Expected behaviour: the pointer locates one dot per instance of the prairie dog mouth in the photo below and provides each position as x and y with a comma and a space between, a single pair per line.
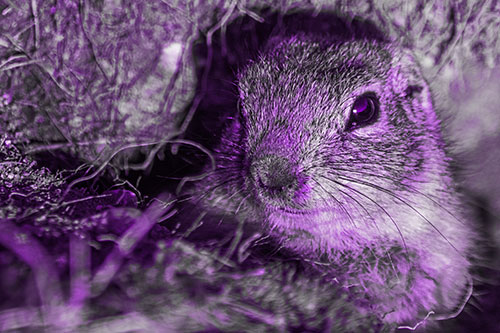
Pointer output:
294, 211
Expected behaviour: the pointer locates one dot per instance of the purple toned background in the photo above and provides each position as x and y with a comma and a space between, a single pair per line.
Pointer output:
90, 91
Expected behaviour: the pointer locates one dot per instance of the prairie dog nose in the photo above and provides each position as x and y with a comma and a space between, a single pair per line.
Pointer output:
274, 175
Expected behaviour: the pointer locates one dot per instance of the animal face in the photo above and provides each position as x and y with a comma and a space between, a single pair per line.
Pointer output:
317, 165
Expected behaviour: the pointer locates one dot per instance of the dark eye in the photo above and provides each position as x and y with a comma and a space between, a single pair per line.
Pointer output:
364, 111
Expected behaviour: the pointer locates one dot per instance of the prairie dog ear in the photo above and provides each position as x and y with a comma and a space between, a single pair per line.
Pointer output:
406, 81
405, 77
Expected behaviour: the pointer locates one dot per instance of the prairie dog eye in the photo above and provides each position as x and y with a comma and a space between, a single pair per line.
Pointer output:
364, 111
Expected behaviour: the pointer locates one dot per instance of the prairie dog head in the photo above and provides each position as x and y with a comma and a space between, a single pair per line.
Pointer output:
337, 152
342, 144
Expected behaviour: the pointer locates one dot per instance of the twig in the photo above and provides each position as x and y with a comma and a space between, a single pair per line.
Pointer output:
19, 64
19, 33
196, 224
412, 328
66, 203
102, 166
203, 149
242, 249
60, 86
83, 17
144, 165
250, 13
13, 4
16, 57
34, 11
221, 23
234, 243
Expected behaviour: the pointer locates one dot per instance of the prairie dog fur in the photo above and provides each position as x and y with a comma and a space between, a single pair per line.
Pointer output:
337, 153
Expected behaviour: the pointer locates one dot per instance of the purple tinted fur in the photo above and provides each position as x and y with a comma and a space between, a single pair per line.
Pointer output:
378, 202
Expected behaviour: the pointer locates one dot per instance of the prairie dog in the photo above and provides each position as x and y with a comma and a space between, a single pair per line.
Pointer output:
337, 153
